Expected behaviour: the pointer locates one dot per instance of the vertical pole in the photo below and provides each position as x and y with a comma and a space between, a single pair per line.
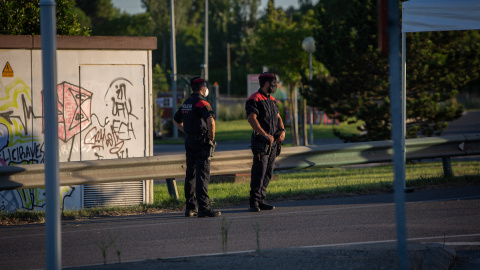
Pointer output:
304, 122
214, 97
217, 96
398, 153
173, 58
206, 40
172, 188
229, 71
310, 107
48, 29
447, 167
311, 124
295, 115
404, 100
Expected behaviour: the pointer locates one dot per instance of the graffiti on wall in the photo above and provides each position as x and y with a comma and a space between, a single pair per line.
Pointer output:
18, 144
111, 132
84, 131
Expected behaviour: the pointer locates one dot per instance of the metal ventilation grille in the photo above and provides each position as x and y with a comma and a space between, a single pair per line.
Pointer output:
113, 194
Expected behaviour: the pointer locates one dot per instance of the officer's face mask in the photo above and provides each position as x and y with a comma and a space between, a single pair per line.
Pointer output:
272, 88
206, 92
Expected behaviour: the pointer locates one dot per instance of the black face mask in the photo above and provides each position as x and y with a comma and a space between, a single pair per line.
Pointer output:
272, 88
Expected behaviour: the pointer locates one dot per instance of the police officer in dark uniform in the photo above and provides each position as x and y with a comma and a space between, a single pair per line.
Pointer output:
195, 119
267, 137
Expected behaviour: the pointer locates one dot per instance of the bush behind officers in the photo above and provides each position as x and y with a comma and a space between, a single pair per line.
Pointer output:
196, 119
267, 137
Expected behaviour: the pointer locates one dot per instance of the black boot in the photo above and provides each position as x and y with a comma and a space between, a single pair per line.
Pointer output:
191, 212
254, 208
208, 213
265, 206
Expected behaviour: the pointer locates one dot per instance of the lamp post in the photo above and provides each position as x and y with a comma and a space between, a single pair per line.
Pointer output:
173, 58
308, 44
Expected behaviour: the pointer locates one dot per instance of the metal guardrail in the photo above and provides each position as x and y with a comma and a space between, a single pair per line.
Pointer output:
233, 162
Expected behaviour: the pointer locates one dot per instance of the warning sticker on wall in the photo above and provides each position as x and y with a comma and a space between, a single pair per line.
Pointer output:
7, 71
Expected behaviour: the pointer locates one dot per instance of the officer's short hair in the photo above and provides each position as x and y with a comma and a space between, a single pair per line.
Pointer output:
266, 77
197, 83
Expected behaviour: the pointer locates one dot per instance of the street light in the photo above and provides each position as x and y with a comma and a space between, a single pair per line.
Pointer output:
308, 44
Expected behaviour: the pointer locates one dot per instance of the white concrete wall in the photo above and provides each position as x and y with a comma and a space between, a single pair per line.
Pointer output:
104, 109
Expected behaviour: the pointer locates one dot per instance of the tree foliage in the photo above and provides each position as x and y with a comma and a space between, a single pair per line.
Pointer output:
358, 86
229, 22
99, 11
277, 44
354, 87
22, 17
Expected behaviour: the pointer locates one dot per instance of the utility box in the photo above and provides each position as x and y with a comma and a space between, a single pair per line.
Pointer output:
104, 112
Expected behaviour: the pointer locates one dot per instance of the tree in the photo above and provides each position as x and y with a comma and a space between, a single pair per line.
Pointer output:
358, 88
22, 17
127, 25
99, 11
189, 33
229, 21
438, 65
277, 44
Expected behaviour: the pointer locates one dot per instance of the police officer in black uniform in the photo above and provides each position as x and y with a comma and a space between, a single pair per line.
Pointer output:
267, 137
195, 119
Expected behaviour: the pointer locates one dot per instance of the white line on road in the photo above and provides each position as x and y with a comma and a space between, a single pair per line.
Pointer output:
353, 244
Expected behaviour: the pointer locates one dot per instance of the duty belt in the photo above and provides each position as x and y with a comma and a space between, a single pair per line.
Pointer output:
196, 136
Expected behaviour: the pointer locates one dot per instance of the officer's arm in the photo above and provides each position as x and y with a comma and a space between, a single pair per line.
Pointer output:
281, 127
252, 119
179, 126
211, 128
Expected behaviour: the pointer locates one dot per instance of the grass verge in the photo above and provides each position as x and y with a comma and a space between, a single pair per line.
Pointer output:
240, 130
310, 183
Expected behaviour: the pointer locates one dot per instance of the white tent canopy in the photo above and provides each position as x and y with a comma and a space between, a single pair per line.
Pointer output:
434, 15
440, 15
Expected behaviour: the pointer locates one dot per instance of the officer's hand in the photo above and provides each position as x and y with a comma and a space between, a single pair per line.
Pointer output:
281, 137
210, 136
269, 138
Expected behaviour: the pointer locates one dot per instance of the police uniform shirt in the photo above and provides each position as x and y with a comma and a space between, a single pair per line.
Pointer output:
266, 109
193, 114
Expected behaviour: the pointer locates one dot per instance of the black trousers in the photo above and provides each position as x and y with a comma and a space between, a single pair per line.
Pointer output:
197, 174
262, 172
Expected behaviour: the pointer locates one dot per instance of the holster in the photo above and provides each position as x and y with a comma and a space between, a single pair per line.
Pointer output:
209, 148
279, 144
279, 148
261, 146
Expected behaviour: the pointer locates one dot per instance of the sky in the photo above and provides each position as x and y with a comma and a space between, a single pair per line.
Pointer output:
135, 6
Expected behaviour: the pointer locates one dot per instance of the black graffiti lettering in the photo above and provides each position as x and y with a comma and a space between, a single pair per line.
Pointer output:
123, 153
123, 129
121, 91
118, 107
24, 120
23, 154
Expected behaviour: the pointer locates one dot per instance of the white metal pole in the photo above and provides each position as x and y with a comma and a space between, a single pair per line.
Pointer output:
206, 40
397, 131
173, 58
404, 100
48, 28
310, 107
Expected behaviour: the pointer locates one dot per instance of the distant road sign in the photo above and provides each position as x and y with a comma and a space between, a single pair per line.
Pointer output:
252, 84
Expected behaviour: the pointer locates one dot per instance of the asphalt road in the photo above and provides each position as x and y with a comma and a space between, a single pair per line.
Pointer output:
447, 216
